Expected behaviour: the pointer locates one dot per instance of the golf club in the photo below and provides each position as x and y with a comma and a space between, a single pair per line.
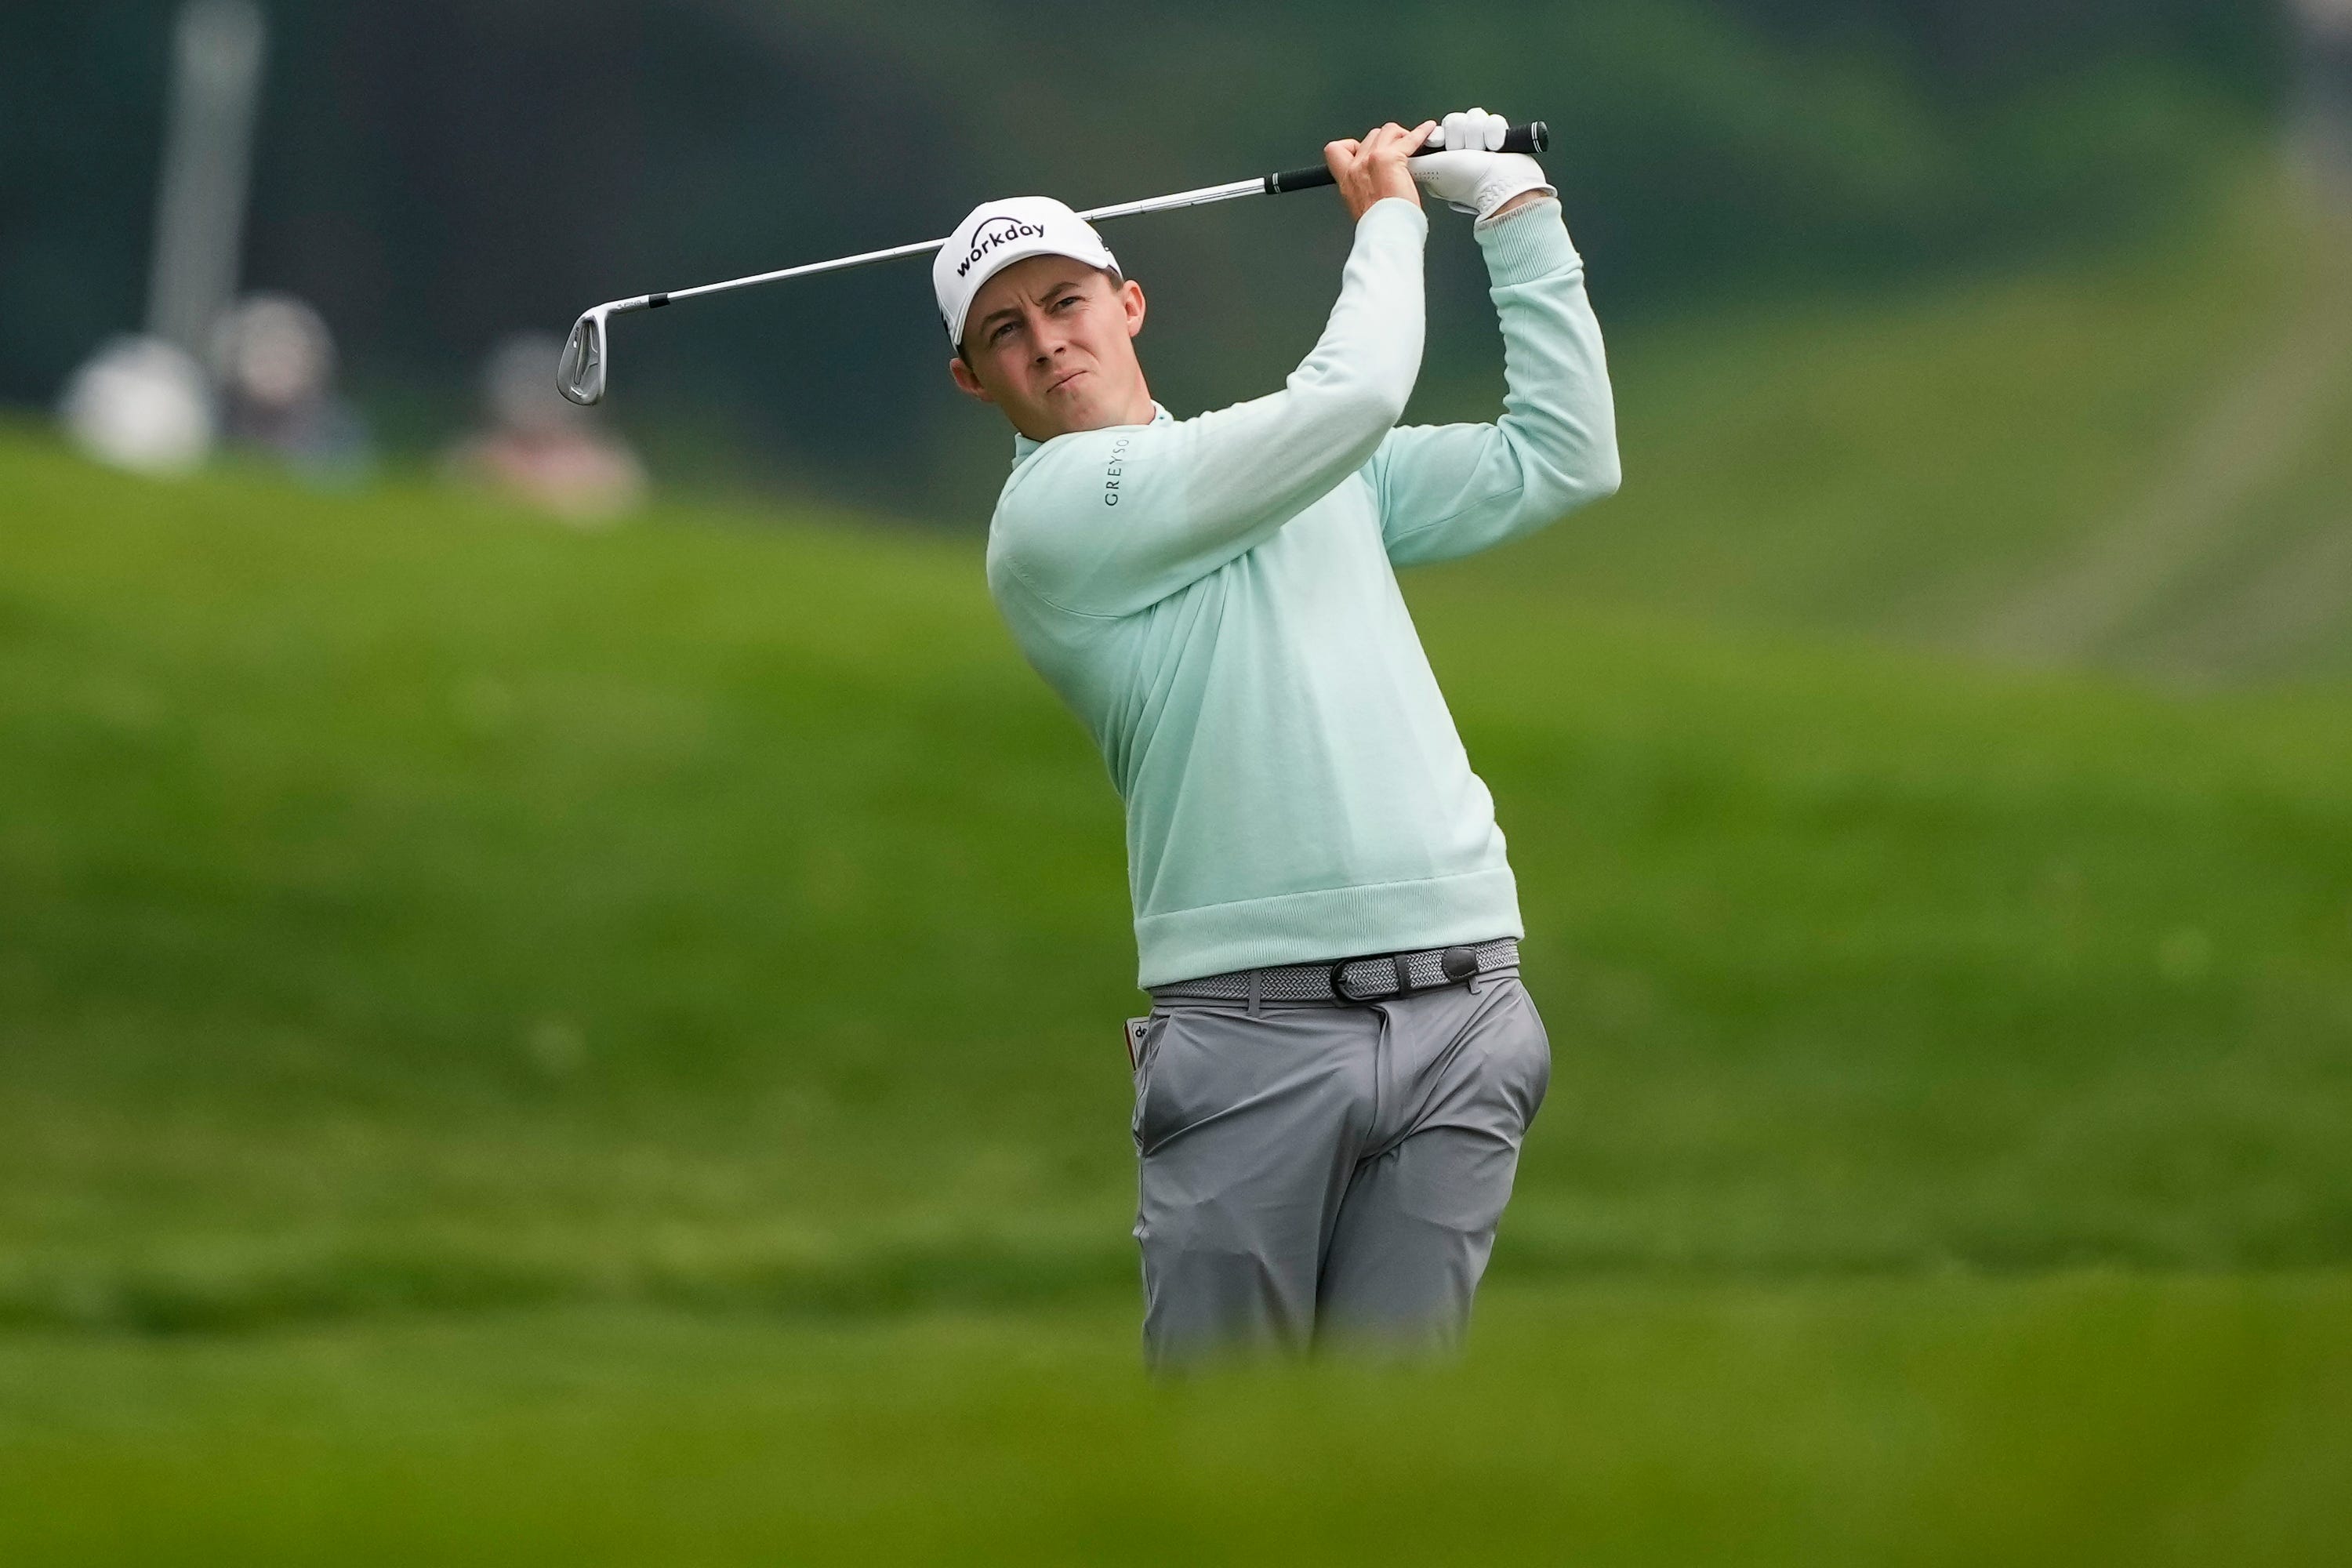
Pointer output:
587, 358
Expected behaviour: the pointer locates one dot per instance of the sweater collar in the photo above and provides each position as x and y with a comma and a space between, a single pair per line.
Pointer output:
1022, 446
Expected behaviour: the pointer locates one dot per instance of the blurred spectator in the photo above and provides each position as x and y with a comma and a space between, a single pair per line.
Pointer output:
275, 364
141, 404
541, 448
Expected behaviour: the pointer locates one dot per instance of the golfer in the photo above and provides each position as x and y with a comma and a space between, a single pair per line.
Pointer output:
1340, 1060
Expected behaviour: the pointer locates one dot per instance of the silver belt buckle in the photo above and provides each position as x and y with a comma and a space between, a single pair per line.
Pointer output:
1457, 963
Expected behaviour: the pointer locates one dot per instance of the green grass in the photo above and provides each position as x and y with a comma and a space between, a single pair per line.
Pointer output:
522, 1043
2065, 1421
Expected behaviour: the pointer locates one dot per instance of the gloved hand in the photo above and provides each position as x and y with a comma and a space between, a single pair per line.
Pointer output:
1469, 177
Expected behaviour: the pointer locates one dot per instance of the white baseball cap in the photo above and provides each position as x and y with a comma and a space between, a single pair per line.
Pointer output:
995, 234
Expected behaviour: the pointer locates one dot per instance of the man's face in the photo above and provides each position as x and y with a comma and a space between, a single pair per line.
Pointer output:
1052, 342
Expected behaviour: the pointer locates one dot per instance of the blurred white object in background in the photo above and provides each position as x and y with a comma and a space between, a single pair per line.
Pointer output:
541, 448
274, 361
141, 404
145, 403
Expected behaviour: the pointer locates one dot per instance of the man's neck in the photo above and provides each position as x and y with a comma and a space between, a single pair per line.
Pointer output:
1137, 411
1149, 414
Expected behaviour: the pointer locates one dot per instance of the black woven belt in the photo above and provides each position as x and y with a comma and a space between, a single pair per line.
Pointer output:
1373, 979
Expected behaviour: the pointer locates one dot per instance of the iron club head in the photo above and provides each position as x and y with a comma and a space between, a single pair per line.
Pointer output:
580, 373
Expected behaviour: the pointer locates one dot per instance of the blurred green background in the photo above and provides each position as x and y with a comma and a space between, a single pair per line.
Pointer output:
525, 1044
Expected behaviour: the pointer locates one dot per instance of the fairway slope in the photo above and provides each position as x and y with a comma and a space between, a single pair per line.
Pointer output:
2140, 459
407, 903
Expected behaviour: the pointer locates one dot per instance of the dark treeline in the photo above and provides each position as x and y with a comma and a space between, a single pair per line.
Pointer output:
435, 173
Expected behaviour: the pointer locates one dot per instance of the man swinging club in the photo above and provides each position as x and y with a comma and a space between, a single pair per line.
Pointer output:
1340, 1060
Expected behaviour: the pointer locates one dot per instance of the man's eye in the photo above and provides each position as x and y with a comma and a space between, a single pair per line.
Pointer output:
1067, 299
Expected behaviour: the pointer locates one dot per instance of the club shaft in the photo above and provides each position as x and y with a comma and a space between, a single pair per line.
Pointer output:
1531, 137
1201, 197
1123, 209
655, 302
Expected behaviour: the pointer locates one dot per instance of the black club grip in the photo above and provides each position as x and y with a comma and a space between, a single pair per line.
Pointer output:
1532, 137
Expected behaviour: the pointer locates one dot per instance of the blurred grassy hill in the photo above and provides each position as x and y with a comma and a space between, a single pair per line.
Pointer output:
405, 902
2141, 459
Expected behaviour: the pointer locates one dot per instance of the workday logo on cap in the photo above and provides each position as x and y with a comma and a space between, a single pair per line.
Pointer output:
999, 229
995, 234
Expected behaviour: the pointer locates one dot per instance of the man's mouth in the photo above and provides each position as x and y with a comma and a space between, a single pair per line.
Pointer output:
1063, 382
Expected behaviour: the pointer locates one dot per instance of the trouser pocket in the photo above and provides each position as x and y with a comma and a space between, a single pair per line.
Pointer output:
1143, 1037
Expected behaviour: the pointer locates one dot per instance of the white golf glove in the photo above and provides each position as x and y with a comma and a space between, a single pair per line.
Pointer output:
1469, 176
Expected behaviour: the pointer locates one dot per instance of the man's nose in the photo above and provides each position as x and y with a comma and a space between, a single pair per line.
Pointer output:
1049, 338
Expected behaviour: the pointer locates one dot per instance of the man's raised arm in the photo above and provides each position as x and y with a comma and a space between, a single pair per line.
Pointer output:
1107, 523
1449, 490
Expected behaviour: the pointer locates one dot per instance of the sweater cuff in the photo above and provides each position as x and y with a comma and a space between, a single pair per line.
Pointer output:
1396, 209
1528, 243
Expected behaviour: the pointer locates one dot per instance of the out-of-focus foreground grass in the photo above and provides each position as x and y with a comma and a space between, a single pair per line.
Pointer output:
513, 1035
2061, 1421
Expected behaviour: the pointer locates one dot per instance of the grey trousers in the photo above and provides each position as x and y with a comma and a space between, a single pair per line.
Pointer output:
1315, 1171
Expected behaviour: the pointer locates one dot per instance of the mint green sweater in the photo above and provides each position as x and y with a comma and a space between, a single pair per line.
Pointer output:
1216, 599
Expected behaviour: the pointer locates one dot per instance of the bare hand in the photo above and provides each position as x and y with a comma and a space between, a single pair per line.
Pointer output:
1374, 168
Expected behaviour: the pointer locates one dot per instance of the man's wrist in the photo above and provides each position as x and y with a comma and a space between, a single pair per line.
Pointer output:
1519, 203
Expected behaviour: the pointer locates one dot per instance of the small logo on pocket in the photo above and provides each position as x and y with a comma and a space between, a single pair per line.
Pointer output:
1134, 1033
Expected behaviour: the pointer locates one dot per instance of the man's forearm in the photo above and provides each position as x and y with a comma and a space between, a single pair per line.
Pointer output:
1448, 491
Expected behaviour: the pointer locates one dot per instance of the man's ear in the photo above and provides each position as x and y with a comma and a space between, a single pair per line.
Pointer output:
1130, 295
961, 373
